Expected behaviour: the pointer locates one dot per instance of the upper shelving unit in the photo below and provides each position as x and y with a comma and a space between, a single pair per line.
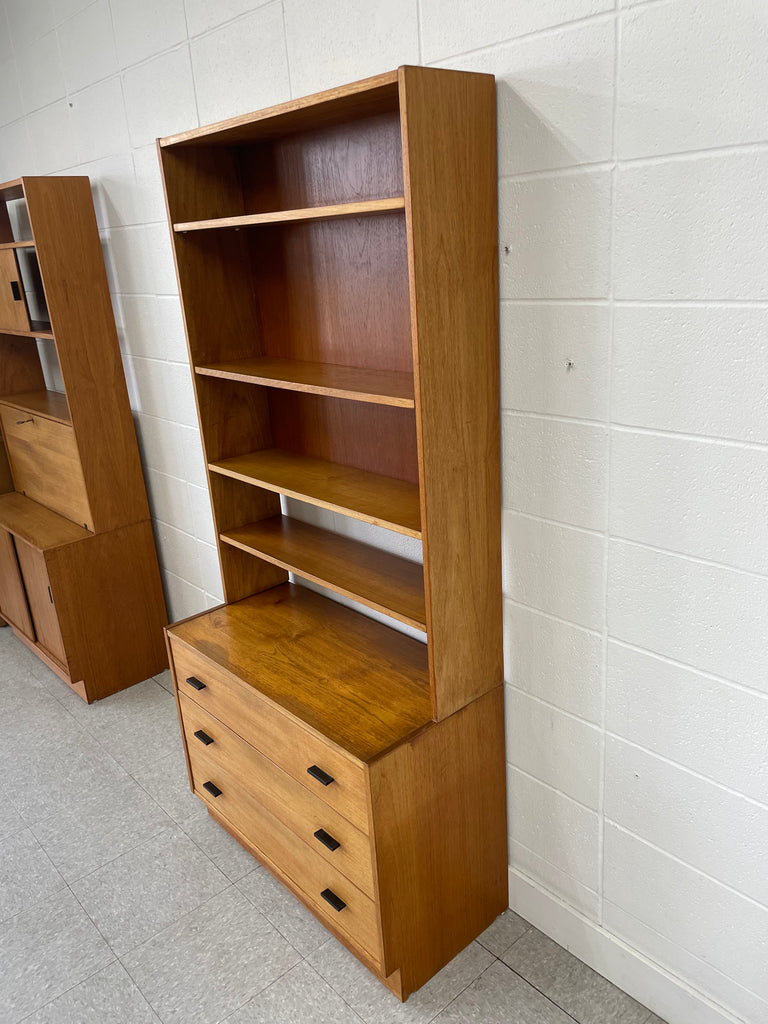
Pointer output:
345, 350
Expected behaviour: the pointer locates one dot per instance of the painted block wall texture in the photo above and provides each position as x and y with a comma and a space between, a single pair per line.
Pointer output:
633, 157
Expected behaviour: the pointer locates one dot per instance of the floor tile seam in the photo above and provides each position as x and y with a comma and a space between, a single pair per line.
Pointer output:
469, 984
37, 902
349, 1006
450, 1003
125, 853
498, 956
88, 916
209, 899
541, 993
269, 919
70, 989
260, 991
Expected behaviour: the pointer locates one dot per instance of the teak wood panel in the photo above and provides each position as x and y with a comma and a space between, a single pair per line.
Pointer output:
41, 600
375, 438
302, 811
20, 368
449, 140
439, 819
36, 524
50, 405
13, 303
45, 462
71, 263
110, 607
372, 206
365, 98
376, 578
383, 387
286, 742
380, 500
321, 167
358, 683
13, 599
335, 291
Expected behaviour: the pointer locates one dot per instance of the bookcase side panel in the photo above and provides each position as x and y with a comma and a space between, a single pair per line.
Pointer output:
449, 155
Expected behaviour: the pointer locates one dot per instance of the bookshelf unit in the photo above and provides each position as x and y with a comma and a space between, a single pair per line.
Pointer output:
79, 580
337, 265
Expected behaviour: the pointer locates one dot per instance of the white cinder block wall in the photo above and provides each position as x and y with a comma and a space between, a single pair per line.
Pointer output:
633, 151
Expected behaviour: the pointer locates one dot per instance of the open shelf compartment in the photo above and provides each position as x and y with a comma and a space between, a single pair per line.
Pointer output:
370, 497
380, 580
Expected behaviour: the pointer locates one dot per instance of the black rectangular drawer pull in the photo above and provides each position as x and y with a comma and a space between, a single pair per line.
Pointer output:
203, 737
320, 775
16, 291
327, 840
213, 790
195, 683
330, 897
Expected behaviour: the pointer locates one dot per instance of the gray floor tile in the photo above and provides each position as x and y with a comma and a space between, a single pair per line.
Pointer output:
45, 951
653, 1019
147, 889
376, 1004
299, 997
111, 819
291, 918
570, 983
10, 819
499, 996
506, 929
108, 997
211, 961
136, 726
167, 782
225, 852
26, 874
165, 679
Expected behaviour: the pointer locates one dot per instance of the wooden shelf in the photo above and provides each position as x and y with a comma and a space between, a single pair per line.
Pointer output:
366, 208
52, 405
381, 500
375, 578
383, 387
37, 525
40, 329
17, 245
359, 683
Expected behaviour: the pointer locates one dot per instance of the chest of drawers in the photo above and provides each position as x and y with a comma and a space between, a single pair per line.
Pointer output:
383, 822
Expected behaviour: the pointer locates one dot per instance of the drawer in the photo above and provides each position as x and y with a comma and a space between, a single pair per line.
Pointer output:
45, 463
280, 737
289, 855
303, 812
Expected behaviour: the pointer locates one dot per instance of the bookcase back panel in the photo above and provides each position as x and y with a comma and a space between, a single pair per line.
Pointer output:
335, 291
234, 418
378, 438
344, 163
20, 368
220, 311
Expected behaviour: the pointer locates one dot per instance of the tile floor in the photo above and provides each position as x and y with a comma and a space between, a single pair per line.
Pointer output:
121, 902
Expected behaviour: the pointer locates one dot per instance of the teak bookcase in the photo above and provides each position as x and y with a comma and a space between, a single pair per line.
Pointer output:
79, 580
337, 265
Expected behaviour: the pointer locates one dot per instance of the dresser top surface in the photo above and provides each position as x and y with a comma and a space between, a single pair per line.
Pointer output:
357, 682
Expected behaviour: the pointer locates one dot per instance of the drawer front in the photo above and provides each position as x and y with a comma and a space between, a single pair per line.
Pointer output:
292, 858
46, 464
276, 734
339, 842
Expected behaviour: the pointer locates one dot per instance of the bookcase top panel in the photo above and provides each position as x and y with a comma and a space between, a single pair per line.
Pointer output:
349, 102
